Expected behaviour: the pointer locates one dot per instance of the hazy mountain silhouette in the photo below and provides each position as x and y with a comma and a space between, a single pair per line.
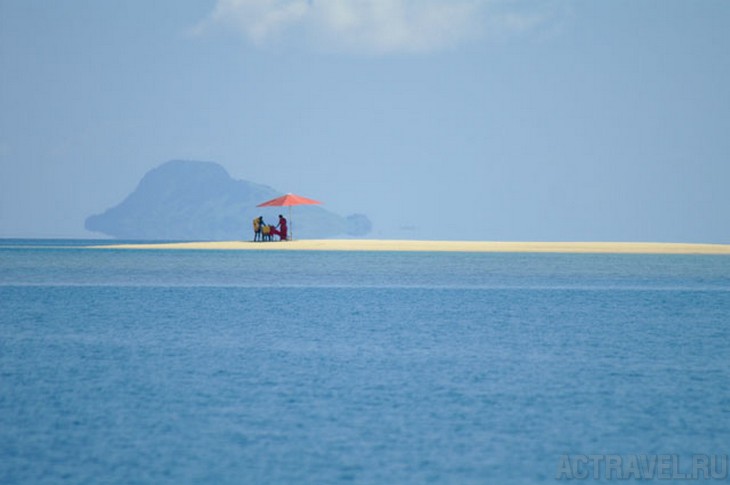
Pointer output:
191, 200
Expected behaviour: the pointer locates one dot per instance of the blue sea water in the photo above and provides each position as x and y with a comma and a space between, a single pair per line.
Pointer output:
131, 366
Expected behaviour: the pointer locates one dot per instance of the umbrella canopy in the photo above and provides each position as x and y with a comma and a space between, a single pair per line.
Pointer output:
289, 200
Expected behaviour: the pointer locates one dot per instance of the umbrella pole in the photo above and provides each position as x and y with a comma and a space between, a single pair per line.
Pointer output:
291, 222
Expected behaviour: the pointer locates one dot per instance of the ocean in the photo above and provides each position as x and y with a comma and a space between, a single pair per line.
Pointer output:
267, 367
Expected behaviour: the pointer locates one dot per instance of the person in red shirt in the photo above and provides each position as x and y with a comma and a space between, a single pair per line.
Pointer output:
283, 230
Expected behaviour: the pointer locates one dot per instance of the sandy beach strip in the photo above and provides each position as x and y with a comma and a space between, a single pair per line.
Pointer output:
442, 246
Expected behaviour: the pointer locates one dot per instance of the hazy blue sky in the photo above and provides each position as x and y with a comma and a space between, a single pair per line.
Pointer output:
461, 119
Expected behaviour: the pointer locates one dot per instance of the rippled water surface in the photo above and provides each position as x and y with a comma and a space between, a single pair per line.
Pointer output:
263, 367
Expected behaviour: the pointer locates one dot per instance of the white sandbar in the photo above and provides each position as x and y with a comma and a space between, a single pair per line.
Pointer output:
447, 246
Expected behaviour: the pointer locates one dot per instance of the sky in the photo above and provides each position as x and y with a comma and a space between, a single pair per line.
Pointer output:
568, 120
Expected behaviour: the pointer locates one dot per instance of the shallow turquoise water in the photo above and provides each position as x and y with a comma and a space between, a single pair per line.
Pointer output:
294, 367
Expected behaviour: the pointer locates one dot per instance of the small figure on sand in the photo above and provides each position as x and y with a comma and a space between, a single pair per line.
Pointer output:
258, 225
283, 230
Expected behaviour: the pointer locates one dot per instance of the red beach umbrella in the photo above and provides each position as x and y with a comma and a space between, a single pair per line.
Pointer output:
289, 200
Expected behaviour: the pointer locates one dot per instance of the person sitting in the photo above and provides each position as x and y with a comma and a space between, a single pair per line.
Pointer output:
283, 230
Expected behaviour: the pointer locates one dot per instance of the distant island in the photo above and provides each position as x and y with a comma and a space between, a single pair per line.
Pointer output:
192, 200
